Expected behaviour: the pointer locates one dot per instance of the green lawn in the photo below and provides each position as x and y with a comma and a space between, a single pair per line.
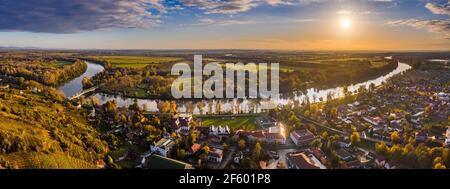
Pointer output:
235, 123
59, 63
135, 61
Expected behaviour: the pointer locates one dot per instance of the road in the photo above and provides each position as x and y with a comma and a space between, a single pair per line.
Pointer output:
226, 160
321, 125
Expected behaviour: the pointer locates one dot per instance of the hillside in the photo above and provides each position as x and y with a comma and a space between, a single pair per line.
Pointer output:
38, 130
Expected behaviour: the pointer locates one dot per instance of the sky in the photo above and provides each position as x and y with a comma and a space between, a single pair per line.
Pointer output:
227, 24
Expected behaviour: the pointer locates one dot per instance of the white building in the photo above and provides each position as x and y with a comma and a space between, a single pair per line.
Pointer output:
216, 155
219, 130
447, 136
163, 146
302, 137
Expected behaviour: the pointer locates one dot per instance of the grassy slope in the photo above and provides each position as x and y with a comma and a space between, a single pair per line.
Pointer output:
39, 132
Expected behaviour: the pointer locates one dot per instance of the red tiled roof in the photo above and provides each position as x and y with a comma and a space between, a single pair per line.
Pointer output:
195, 147
318, 152
302, 161
302, 135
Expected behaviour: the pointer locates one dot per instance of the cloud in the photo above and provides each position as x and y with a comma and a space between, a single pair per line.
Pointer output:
346, 12
439, 9
436, 26
227, 22
222, 7
71, 16
280, 2
232, 6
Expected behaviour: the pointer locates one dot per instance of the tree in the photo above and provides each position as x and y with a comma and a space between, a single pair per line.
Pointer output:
371, 87
257, 151
241, 144
439, 166
87, 83
355, 138
316, 143
395, 137
325, 135
226, 147
163, 106
333, 112
345, 90
206, 149
381, 148
111, 106
281, 165
201, 106
306, 113
210, 107
181, 154
173, 107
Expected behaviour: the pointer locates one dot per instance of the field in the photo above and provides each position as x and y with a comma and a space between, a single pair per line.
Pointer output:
135, 61
59, 63
36, 160
235, 123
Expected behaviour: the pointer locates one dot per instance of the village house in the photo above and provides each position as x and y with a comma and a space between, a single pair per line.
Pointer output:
421, 136
303, 160
160, 162
203, 131
238, 157
265, 122
180, 123
263, 136
271, 135
215, 155
302, 137
219, 130
375, 121
215, 138
344, 155
194, 148
383, 163
163, 146
447, 137
319, 154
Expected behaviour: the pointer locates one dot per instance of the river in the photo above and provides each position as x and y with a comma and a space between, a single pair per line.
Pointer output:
228, 105
74, 85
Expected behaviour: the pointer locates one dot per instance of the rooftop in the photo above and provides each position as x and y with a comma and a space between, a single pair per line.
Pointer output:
160, 162
302, 134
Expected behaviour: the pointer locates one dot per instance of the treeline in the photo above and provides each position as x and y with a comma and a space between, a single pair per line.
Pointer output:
332, 76
143, 83
48, 73
419, 157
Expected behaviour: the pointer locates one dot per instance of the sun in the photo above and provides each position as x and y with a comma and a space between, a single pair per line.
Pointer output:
345, 23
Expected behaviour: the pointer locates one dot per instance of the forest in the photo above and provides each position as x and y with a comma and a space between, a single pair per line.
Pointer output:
48, 72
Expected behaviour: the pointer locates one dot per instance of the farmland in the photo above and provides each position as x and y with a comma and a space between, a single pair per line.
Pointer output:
134, 61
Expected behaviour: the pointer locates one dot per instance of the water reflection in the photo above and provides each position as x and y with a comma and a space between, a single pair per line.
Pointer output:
249, 105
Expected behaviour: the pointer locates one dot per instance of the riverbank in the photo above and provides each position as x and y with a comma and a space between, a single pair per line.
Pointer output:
143, 91
234, 106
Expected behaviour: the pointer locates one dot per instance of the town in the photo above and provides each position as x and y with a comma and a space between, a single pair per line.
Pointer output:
403, 123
